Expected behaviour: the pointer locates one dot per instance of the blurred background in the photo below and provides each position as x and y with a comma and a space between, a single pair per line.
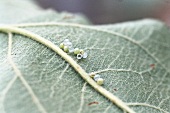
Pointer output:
112, 11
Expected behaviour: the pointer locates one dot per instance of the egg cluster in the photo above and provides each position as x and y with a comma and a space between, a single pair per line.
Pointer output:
97, 78
67, 46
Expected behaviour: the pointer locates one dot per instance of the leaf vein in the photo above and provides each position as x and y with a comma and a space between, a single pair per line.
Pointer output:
147, 105
82, 98
20, 76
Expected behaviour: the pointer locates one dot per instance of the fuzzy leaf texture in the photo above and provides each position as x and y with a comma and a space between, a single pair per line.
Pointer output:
133, 58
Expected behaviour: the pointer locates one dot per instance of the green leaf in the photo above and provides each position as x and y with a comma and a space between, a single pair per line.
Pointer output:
17, 10
22, 11
133, 58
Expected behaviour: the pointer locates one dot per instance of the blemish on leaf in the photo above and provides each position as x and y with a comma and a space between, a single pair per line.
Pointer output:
115, 89
152, 66
91, 103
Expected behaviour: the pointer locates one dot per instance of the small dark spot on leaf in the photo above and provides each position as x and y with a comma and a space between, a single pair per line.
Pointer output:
91, 103
115, 89
152, 66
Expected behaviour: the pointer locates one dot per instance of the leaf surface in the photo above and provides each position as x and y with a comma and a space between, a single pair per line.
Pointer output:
131, 57
26, 11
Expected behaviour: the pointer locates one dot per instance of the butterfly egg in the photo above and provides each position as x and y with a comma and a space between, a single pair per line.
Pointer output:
96, 77
85, 55
92, 75
71, 50
62, 45
79, 56
66, 49
100, 81
76, 51
81, 51
69, 44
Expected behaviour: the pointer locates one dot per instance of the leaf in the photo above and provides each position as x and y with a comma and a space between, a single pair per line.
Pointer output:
26, 11
18, 10
135, 71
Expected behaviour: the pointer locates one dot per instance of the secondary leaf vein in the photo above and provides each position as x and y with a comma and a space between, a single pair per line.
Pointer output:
20, 76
